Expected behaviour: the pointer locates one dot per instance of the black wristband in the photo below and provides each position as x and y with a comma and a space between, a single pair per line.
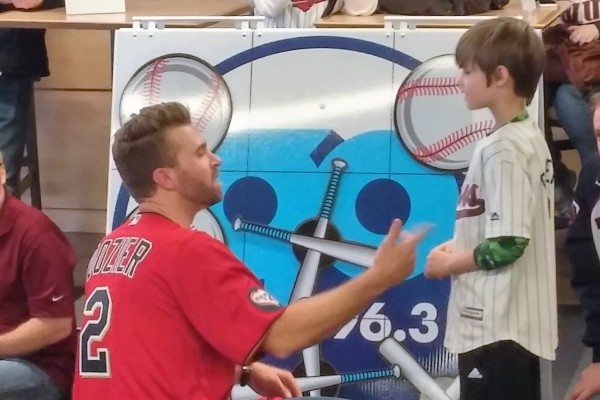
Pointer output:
245, 375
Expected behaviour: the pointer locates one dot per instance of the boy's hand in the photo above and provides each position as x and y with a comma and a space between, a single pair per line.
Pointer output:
438, 262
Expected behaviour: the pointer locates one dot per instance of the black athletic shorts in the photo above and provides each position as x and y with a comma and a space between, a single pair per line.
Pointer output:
499, 371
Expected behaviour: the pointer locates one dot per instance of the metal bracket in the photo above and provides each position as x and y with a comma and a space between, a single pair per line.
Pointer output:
157, 23
404, 23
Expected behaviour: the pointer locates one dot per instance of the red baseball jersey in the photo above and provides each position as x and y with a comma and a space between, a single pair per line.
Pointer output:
169, 314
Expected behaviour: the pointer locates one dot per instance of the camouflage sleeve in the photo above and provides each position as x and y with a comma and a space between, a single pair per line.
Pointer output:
498, 252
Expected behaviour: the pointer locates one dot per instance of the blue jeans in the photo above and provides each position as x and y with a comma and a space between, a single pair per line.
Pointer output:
575, 117
21, 380
16, 95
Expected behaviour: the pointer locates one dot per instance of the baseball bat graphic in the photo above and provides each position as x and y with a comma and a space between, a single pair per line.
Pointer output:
312, 365
353, 253
395, 354
307, 275
453, 390
320, 382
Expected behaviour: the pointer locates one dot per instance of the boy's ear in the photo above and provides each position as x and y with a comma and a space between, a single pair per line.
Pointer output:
501, 76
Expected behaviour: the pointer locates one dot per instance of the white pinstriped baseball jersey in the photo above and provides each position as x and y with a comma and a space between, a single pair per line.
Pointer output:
508, 191
291, 13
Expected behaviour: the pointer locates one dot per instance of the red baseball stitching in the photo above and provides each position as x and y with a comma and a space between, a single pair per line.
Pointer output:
154, 73
453, 142
428, 87
209, 105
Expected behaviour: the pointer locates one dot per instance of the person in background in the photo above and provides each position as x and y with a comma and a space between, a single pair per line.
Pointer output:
294, 13
583, 249
23, 60
37, 335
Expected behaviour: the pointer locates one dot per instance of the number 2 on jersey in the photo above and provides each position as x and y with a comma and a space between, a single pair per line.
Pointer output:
98, 365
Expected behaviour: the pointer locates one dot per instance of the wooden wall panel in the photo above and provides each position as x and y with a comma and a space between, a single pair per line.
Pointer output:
73, 140
79, 59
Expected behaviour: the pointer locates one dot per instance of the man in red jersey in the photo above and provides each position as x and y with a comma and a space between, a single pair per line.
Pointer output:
37, 339
171, 313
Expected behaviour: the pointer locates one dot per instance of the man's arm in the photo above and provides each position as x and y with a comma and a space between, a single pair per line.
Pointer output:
311, 320
34, 335
46, 273
27, 4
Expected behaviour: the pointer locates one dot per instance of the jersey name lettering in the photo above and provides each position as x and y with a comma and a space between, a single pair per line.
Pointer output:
119, 256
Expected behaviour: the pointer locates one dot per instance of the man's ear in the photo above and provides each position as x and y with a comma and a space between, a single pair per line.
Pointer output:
164, 178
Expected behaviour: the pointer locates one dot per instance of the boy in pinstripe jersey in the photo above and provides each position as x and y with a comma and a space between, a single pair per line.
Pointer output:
502, 310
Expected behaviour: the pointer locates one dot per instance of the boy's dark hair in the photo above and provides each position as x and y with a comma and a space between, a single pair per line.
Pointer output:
509, 42
141, 146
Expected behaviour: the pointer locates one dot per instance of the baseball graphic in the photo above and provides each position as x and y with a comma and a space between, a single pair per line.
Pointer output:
188, 80
432, 119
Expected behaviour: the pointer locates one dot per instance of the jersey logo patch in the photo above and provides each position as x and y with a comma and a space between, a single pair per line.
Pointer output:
475, 374
305, 5
547, 176
469, 203
495, 217
263, 300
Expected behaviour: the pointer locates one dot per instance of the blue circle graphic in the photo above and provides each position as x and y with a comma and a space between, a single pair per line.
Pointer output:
379, 202
252, 199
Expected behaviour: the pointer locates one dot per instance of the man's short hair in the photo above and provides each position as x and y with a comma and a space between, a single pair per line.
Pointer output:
141, 146
509, 42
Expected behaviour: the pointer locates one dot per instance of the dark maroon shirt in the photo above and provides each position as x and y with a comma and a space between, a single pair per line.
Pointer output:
36, 280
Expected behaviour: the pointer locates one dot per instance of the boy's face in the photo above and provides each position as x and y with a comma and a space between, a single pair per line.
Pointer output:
474, 85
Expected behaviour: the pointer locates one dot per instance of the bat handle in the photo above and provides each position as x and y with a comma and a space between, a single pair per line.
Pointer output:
339, 166
363, 376
263, 230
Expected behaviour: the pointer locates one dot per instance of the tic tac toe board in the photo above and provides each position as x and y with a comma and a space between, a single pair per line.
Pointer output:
325, 137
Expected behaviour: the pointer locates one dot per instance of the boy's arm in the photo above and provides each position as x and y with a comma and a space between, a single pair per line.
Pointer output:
489, 255
507, 222
442, 262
